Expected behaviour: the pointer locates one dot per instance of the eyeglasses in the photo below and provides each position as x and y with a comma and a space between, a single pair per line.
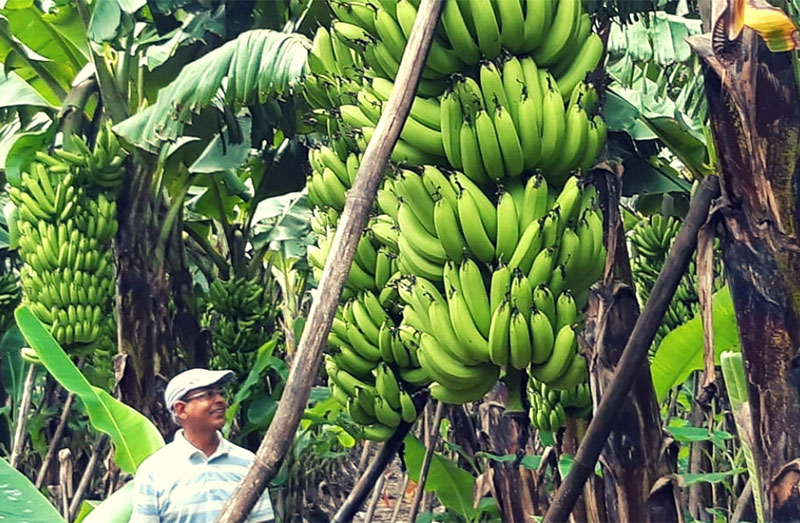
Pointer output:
203, 394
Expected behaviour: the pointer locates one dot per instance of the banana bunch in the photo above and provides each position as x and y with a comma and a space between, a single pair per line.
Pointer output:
477, 317
333, 71
377, 402
519, 118
67, 219
331, 177
447, 218
99, 168
650, 241
10, 295
557, 34
240, 313
373, 364
375, 260
551, 407
420, 140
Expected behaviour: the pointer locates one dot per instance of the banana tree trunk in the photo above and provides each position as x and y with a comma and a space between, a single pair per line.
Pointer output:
637, 458
146, 345
754, 110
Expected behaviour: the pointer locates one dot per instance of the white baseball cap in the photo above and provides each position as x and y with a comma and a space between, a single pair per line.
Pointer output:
192, 379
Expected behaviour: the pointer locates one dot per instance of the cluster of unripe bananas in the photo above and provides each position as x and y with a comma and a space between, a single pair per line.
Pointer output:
557, 34
10, 295
550, 407
512, 308
240, 313
650, 241
477, 260
66, 219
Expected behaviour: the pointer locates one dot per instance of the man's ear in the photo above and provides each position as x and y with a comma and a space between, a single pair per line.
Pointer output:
180, 409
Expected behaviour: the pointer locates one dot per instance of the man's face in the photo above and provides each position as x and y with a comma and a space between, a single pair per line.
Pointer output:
202, 409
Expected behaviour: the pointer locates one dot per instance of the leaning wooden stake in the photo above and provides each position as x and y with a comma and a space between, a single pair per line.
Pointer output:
630, 364
375, 469
22, 418
400, 497
426, 462
376, 496
51, 450
279, 437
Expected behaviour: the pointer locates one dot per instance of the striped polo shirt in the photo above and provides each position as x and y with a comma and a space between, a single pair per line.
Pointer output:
180, 484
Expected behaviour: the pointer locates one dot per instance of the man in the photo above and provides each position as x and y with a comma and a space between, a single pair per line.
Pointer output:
190, 479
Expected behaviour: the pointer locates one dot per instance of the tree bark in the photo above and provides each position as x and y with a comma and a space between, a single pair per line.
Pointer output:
754, 111
505, 433
636, 453
143, 323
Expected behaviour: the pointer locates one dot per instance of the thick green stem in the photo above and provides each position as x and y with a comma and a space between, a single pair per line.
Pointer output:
515, 383
169, 219
113, 101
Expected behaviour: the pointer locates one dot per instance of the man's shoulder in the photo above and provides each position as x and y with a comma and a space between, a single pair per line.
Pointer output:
239, 452
157, 458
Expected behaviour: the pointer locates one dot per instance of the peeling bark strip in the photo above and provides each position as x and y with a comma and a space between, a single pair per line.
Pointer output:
754, 108
505, 433
281, 431
636, 455
635, 353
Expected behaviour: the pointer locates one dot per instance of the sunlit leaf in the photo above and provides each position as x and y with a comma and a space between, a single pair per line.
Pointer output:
453, 486
681, 351
20, 500
116, 508
133, 435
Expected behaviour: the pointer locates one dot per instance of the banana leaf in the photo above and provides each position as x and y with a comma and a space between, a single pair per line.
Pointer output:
681, 351
133, 435
453, 486
258, 64
736, 385
20, 500
116, 508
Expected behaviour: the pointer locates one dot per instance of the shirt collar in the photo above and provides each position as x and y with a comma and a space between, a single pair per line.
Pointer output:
187, 450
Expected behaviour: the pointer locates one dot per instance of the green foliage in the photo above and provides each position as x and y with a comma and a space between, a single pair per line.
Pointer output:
57, 37
257, 65
116, 508
681, 351
14, 91
134, 436
453, 486
282, 223
21, 501
736, 387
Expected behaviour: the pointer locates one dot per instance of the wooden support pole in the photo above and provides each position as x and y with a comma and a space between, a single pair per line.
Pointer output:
51, 450
375, 469
426, 462
279, 437
635, 353
22, 418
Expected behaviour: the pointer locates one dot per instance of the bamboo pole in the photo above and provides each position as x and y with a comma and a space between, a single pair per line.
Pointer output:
400, 497
22, 417
279, 438
426, 462
86, 478
376, 496
630, 364
51, 450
